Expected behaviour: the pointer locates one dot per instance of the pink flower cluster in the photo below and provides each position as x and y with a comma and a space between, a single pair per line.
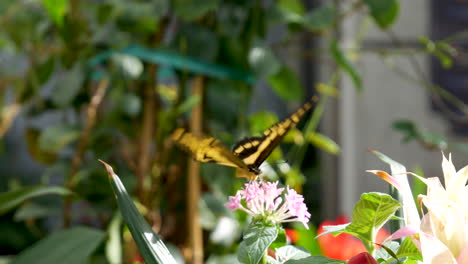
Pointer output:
264, 200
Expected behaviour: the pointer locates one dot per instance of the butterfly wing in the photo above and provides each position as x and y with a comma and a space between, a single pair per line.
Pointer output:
255, 150
206, 149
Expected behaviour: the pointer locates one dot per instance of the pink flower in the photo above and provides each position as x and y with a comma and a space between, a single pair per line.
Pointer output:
264, 200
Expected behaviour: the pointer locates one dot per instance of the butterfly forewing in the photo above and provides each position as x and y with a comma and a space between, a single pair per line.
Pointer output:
206, 149
255, 150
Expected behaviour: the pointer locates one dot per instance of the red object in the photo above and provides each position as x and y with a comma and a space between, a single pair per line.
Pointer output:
292, 234
344, 246
363, 258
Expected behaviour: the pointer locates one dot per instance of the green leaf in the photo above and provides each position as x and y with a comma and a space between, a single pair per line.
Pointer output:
11, 199
344, 63
280, 240
189, 10
286, 85
56, 9
131, 104
291, 252
262, 61
408, 128
384, 12
306, 238
44, 70
34, 210
68, 86
315, 260
259, 121
324, 142
256, 240
54, 138
291, 10
371, 212
320, 18
151, 247
73, 246
408, 249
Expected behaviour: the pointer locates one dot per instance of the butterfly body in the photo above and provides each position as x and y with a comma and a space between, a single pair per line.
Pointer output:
248, 154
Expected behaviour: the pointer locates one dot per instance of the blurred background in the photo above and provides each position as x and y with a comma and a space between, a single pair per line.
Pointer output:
83, 80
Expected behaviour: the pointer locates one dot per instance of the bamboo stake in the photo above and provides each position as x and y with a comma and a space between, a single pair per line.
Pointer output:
193, 182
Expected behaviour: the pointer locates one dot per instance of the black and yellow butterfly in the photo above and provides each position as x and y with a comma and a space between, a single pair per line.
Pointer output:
248, 154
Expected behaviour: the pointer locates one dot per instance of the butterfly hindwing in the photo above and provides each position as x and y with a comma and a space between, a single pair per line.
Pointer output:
206, 149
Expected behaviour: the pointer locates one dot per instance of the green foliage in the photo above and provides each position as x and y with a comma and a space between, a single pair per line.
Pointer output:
286, 84
11, 199
151, 247
384, 12
255, 241
79, 242
343, 62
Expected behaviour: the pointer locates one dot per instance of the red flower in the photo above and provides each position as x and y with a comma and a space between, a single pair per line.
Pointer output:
363, 258
343, 246
292, 234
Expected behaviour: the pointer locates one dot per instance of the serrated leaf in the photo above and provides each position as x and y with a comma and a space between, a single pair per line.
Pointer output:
151, 247
286, 84
384, 12
343, 62
323, 142
11, 199
256, 240
369, 214
315, 260
73, 246
54, 138
320, 18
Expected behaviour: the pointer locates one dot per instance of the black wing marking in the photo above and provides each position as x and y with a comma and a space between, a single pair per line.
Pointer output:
255, 150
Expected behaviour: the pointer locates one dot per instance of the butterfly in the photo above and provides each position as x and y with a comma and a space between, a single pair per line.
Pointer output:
248, 154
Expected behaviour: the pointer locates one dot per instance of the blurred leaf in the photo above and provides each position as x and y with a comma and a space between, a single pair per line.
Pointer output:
11, 199
325, 89
320, 18
292, 11
114, 243
56, 9
263, 62
261, 120
189, 10
54, 138
131, 104
325, 143
231, 19
315, 260
286, 85
131, 66
151, 247
68, 86
280, 240
306, 238
344, 63
408, 128
198, 42
44, 71
256, 240
32, 141
384, 12
74, 246
34, 210
187, 105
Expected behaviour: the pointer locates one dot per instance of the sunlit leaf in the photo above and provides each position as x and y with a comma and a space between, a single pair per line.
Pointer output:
56, 9
325, 143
